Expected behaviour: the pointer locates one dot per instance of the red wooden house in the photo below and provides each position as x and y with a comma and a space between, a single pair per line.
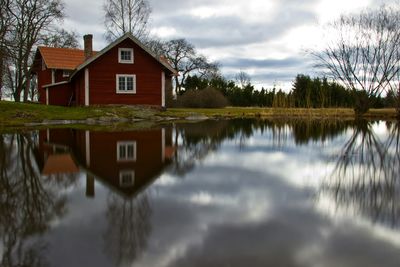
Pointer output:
125, 72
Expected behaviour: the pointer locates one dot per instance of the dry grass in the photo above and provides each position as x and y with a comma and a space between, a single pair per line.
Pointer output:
236, 112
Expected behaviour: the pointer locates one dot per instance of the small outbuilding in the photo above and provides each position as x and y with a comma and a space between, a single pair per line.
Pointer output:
126, 72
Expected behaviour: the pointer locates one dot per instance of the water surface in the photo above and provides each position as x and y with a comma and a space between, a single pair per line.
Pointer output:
216, 193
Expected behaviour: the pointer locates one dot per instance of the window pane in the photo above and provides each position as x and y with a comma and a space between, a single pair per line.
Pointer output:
129, 83
130, 151
122, 152
126, 55
121, 82
127, 178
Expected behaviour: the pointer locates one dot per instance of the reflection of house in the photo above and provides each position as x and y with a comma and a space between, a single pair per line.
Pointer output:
124, 161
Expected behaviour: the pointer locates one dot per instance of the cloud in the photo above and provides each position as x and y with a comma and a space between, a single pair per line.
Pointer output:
263, 63
238, 33
235, 29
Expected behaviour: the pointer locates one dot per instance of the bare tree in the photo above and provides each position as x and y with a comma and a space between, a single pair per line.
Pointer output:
365, 179
156, 45
183, 56
129, 227
33, 19
242, 79
364, 53
5, 25
29, 202
394, 90
123, 16
61, 38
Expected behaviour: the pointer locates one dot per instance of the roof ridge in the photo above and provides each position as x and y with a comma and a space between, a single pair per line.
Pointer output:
67, 48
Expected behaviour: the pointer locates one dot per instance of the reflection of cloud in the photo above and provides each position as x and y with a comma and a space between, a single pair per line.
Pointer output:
252, 206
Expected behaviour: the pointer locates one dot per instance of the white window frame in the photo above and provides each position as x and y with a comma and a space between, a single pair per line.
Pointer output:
124, 61
126, 144
123, 183
118, 91
66, 73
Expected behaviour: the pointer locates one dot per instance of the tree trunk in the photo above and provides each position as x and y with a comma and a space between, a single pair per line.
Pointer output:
19, 90
362, 102
398, 103
17, 95
27, 87
177, 86
33, 88
1, 73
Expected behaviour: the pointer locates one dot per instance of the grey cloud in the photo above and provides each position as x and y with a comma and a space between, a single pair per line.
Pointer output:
86, 13
268, 78
269, 71
232, 30
264, 63
161, 7
274, 76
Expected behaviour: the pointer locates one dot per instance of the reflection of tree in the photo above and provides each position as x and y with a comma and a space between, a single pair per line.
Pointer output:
196, 140
27, 204
305, 130
366, 176
128, 228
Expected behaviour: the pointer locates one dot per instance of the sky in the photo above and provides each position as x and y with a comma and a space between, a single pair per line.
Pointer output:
268, 39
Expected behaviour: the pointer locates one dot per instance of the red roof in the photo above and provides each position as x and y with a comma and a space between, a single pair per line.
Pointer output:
62, 58
74, 59
57, 164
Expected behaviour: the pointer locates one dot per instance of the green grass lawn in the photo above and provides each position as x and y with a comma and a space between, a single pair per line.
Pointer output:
12, 113
18, 114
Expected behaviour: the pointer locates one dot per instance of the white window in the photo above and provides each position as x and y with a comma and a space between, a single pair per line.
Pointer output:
126, 84
66, 73
125, 55
127, 178
126, 151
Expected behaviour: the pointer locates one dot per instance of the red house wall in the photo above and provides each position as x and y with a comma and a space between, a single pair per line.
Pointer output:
44, 77
60, 95
79, 88
103, 71
59, 76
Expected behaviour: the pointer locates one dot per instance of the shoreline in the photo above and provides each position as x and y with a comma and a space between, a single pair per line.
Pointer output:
21, 115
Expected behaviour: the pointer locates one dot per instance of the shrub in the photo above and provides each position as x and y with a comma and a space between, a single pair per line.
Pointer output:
206, 98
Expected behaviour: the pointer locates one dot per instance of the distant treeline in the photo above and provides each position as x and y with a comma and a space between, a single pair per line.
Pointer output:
306, 92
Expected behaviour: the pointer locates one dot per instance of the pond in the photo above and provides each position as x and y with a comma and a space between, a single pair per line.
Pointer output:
214, 193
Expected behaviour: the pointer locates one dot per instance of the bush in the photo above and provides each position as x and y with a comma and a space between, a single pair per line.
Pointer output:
362, 102
206, 98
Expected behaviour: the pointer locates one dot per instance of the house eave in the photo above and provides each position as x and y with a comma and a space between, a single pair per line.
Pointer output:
54, 84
